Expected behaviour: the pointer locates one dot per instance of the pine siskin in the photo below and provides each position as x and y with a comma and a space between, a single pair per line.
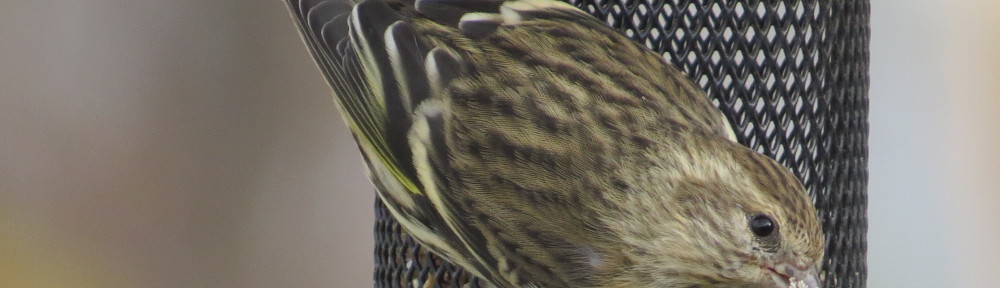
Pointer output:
535, 147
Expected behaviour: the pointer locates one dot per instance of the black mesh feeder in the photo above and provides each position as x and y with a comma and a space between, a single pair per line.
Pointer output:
790, 75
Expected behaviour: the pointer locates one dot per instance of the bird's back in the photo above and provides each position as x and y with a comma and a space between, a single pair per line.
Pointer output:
490, 127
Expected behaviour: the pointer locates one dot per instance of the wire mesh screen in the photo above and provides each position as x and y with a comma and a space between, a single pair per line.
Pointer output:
791, 76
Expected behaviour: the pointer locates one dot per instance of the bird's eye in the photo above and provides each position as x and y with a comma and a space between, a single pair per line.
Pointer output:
762, 225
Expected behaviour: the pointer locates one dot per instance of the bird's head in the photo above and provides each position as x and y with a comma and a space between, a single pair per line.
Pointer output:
729, 217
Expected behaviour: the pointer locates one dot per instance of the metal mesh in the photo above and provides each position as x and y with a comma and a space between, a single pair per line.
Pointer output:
791, 76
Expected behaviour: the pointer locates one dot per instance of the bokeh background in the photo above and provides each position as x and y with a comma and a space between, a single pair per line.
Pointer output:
188, 143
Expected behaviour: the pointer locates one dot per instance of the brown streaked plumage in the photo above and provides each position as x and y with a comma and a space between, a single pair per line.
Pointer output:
535, 147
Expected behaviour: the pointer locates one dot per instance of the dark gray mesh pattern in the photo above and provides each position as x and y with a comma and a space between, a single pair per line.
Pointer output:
791, 76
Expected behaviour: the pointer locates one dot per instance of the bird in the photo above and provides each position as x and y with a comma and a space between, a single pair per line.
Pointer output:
534, 146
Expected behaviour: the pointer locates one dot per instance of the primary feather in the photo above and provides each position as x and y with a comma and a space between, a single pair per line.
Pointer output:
535, 147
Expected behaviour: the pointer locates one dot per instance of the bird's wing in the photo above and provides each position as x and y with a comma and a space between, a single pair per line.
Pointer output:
376, 66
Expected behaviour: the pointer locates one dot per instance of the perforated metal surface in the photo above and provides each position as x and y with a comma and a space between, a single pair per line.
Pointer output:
791, 76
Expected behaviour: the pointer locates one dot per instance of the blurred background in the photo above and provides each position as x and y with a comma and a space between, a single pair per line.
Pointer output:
194, 144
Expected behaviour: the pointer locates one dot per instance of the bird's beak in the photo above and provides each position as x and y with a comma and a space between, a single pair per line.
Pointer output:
796, 277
